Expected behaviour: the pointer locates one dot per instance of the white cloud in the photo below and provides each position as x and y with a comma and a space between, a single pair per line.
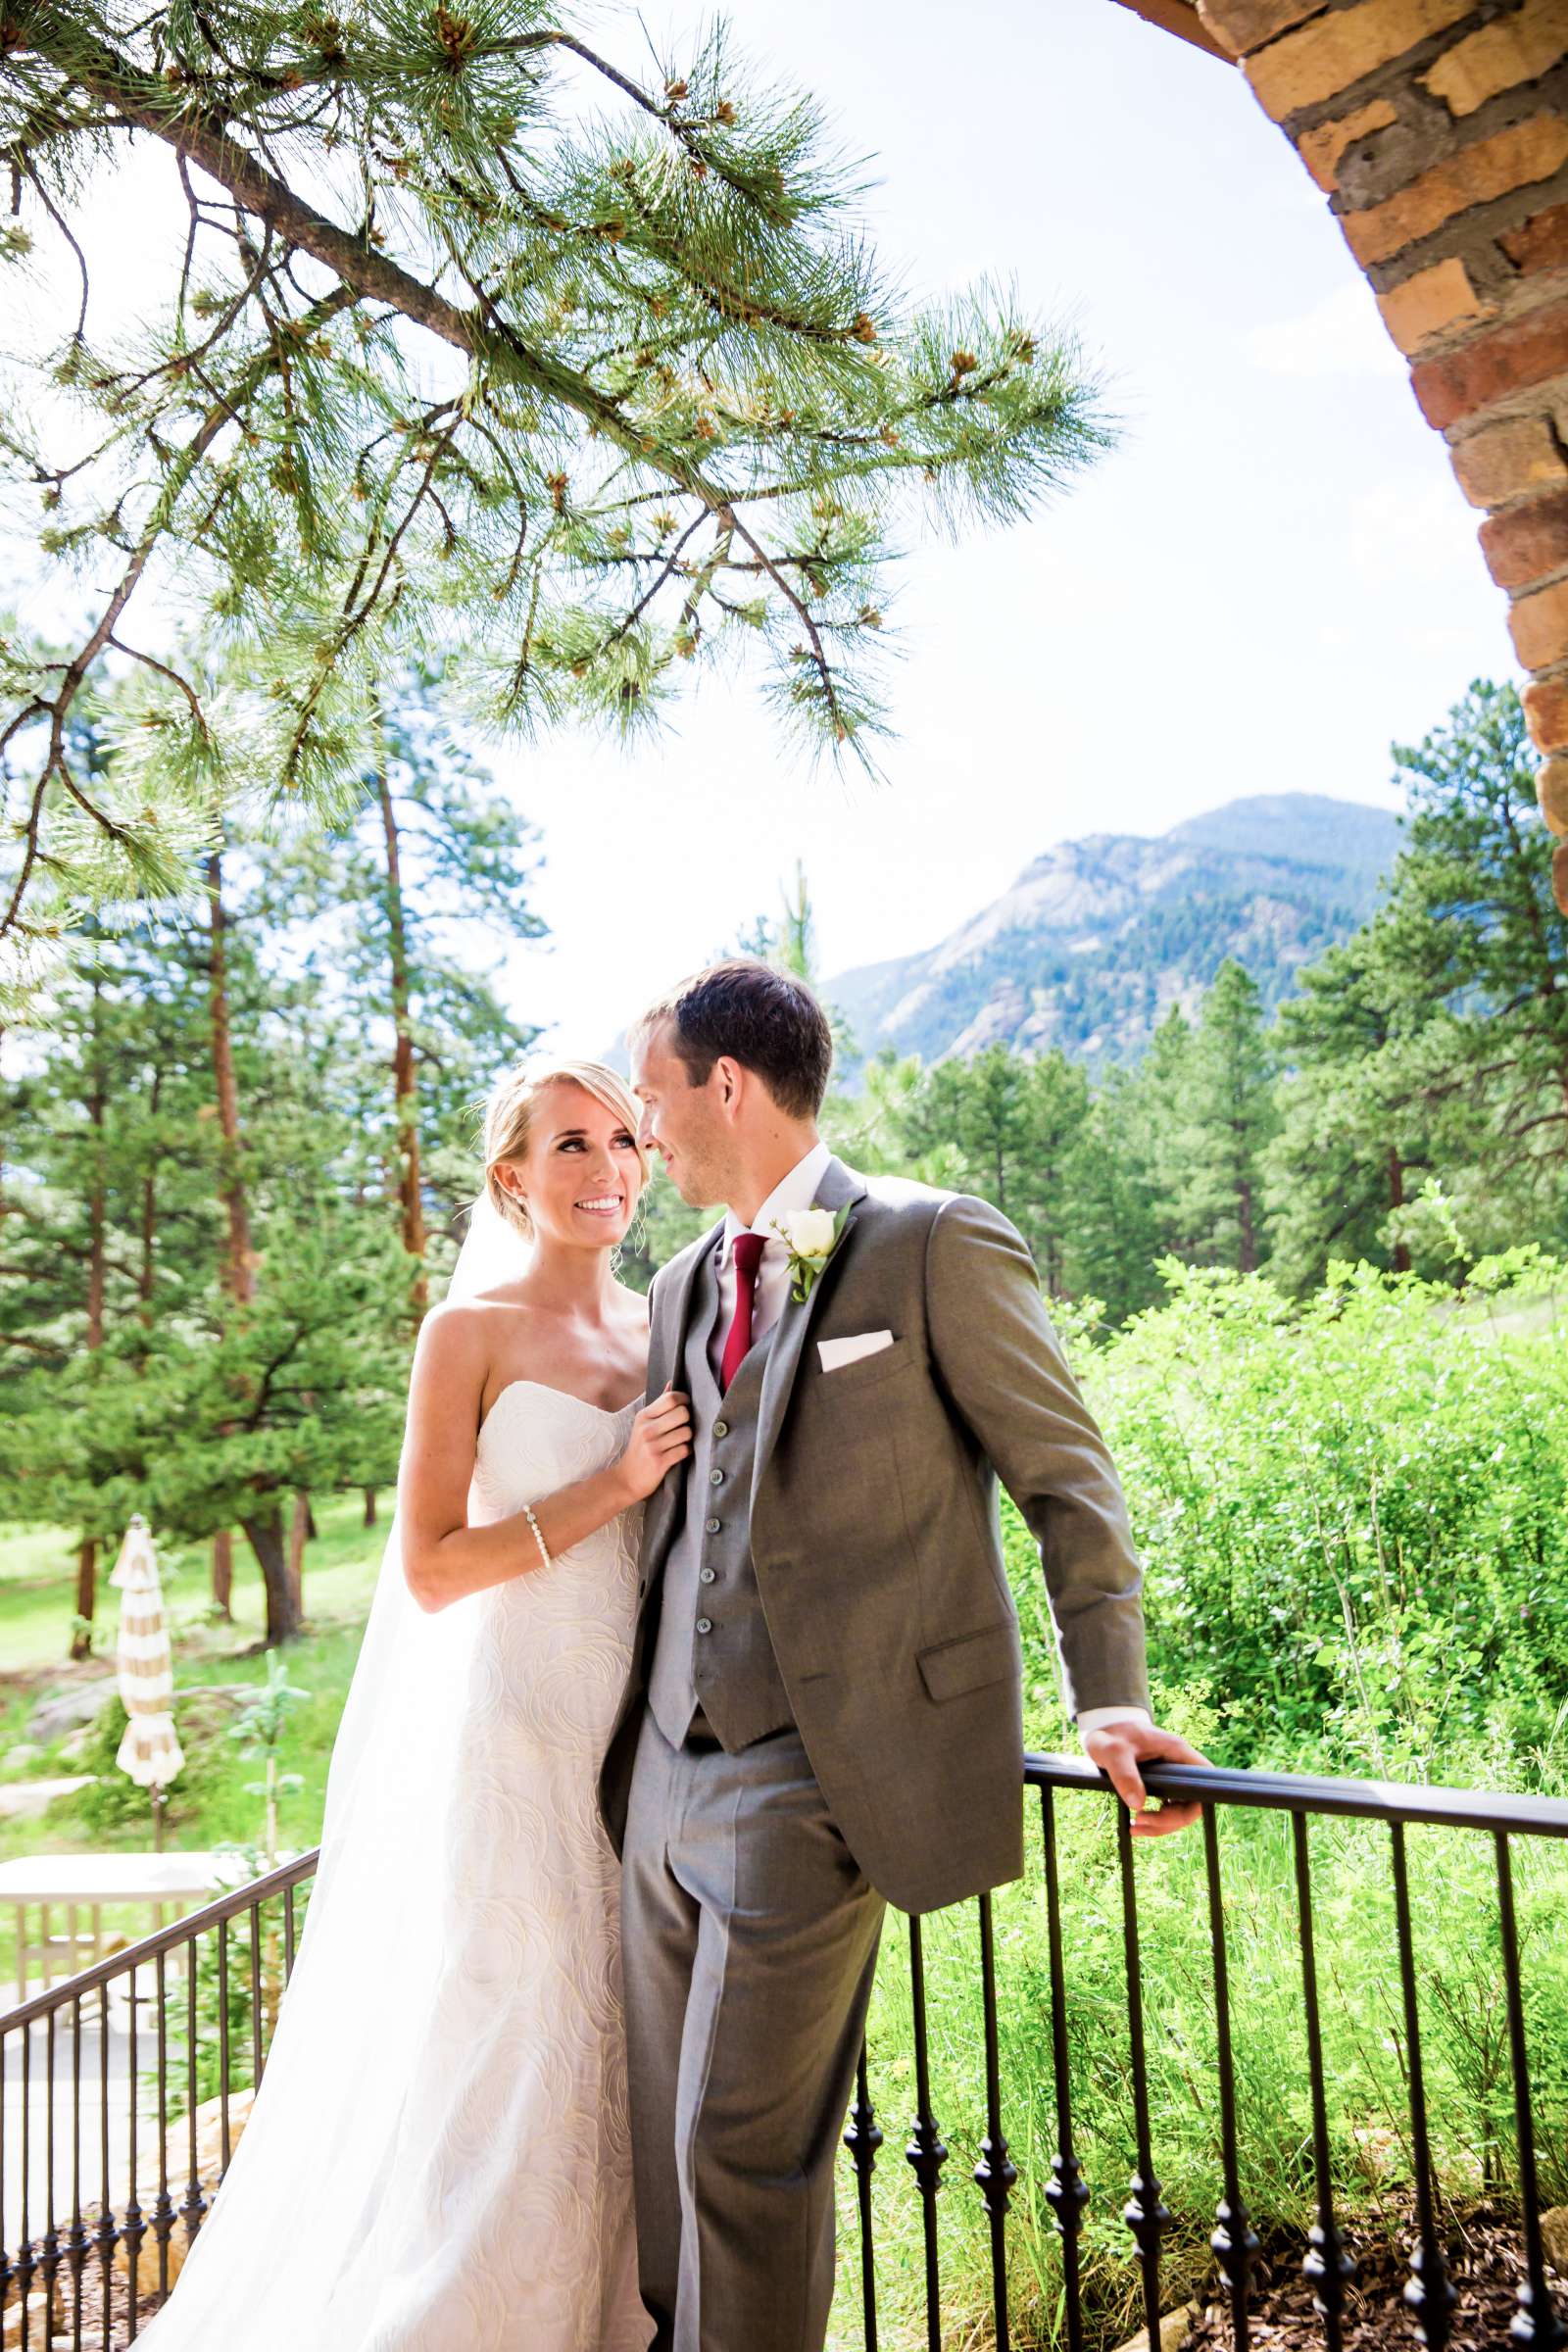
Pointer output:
1342, 335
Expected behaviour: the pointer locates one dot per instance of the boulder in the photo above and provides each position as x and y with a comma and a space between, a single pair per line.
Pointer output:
1554, 2238
24, 1800
20, 1758
1174, 2327
66, 1709
38, 2312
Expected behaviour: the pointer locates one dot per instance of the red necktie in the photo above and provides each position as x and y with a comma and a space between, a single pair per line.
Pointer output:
747, 1250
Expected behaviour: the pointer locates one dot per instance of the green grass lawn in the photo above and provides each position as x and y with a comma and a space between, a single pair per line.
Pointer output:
210, 1804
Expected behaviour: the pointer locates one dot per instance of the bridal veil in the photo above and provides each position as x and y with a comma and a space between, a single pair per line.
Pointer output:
313, 2225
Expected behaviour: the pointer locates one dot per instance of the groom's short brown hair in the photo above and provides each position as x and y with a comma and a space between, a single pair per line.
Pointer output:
767, 1020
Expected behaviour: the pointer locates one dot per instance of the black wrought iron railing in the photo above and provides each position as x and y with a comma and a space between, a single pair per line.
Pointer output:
117, 2086
97, 2096
1430, 2298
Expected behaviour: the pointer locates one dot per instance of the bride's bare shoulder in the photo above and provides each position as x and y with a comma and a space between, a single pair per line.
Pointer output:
461, 1334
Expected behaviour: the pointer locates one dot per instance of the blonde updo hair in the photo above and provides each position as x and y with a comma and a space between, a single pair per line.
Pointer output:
509, 1114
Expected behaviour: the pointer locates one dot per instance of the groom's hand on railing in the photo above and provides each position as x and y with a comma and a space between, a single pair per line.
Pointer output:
1118, 1748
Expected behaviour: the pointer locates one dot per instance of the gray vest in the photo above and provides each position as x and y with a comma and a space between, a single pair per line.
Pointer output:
714, 1648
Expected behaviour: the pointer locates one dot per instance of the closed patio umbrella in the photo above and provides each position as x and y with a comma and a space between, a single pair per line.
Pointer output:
149, 1753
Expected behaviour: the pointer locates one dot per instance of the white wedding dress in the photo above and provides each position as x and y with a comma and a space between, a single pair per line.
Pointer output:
439, 2159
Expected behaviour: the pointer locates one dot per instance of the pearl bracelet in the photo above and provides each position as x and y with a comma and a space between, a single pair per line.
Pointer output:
544, 1553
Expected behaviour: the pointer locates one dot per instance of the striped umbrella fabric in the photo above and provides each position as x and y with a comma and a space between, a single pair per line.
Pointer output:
149, 1752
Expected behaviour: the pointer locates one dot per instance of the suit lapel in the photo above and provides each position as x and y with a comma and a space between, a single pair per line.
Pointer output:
839, 1189
666, 1350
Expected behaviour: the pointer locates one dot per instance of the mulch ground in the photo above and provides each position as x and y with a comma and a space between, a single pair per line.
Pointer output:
1485, 2265
1486, 2259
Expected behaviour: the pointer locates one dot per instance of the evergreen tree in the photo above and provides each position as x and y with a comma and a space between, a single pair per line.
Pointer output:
431, 862
1350, 1152
1482, 948
1157, 1116
111, 1223
1003, 1126
1114, 1238
1432, 1046
1229, 1120
449, 357
205, 1311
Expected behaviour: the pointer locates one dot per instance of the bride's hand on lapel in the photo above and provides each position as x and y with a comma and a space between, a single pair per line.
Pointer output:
661, 1436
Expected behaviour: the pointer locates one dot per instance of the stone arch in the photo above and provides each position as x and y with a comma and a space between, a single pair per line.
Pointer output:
1437, 129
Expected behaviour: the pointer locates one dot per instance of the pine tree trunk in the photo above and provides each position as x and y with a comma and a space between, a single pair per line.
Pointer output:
97, 1218
239, 1266
146, 1268
405, 1077
1401, 1254
301, 1528
1243, 1210
370, 1506
87, 1597
97, 1221
223, 1574
239, 1270
264, 1532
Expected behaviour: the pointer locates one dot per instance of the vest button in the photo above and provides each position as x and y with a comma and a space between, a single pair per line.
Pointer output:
722, 1429
705, 1625
715, 1478
713, 1526
706, 1576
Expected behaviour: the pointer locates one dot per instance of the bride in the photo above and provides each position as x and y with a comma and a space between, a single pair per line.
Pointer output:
438, 2158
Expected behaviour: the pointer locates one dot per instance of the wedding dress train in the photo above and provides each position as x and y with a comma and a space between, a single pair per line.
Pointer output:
439, 2160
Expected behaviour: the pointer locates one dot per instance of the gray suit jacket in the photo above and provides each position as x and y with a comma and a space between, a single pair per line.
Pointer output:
877, 1541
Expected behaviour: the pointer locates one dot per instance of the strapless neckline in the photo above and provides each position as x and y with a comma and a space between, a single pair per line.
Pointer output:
605, 1412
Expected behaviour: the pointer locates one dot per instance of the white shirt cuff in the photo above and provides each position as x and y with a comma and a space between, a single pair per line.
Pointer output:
1095, 1719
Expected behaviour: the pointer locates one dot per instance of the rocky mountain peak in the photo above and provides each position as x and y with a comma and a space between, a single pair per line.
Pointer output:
1099, 937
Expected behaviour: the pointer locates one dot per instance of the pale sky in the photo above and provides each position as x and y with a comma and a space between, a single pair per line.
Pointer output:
1273, 579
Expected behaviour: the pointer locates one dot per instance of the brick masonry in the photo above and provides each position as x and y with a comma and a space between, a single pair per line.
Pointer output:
1439, 132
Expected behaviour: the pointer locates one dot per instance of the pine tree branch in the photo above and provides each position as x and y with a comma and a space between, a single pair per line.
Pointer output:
54, 767
360, 268
150, 662
819, 652
22, 164
352, 259
634, 615
350, 621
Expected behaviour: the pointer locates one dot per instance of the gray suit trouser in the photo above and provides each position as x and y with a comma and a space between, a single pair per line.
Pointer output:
750, 1938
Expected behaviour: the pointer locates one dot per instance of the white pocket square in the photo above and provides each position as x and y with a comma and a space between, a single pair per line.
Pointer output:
838, 1352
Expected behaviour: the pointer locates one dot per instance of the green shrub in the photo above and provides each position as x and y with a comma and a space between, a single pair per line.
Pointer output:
1353, 1516
114, 1802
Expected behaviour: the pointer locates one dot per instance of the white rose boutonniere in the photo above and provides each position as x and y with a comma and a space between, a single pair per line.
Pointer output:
811, 1236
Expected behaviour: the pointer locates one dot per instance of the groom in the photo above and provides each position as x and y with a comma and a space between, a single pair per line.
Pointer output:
823, 1713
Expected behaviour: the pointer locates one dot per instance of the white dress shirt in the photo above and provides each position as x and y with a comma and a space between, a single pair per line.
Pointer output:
797, 1189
